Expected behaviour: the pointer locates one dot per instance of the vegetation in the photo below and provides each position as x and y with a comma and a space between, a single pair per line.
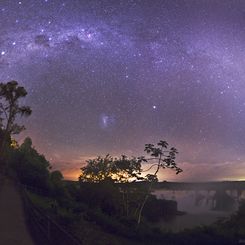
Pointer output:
104, 208
112, 202
10, 94
109, 171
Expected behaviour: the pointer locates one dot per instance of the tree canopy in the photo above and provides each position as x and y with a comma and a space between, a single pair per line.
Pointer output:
125, 169
109, 170
121, 169
10, 94
32, 167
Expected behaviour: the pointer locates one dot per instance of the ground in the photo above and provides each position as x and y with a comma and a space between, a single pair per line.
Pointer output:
13, 228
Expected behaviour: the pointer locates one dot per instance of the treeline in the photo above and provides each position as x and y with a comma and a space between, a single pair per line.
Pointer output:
104, 202
111, 206
106, 205
32, 169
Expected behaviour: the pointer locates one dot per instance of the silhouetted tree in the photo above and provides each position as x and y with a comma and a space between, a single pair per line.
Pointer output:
97, 170
125, 170
107, 171
161, 158
32, 168
56, 176
119, 170
10, 94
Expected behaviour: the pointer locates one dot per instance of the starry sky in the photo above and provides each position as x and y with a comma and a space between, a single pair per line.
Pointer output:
110, 76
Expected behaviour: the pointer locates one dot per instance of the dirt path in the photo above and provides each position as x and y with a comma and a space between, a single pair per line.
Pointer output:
13, 230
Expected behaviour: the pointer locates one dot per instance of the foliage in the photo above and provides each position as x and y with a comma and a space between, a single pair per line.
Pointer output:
104, 196
98, 188
125, 170
97, 170
118, 170
157, 209
56, 184
31, 167
56, 176
164, 157
235, 225
10, 94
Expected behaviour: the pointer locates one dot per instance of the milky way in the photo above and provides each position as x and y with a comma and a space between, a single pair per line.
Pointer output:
109, 76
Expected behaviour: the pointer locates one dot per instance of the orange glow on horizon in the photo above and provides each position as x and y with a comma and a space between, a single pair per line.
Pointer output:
189, 175
71, 174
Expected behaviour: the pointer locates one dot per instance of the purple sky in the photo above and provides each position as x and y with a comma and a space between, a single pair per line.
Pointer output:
110, 76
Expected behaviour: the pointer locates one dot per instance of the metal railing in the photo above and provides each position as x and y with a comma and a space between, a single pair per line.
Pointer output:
44, 229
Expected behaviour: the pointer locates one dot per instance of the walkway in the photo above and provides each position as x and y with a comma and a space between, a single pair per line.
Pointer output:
13, 229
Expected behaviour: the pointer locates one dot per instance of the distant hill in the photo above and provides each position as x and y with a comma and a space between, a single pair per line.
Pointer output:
214, 185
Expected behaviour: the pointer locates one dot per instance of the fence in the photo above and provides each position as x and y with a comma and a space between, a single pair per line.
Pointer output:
44, 229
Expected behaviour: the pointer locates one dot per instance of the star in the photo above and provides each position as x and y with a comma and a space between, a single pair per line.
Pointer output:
119, 72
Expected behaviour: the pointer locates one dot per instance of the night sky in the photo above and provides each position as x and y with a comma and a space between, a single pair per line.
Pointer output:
110, 76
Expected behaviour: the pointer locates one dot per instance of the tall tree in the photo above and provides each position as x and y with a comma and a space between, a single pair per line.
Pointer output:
10, 94
161, 158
